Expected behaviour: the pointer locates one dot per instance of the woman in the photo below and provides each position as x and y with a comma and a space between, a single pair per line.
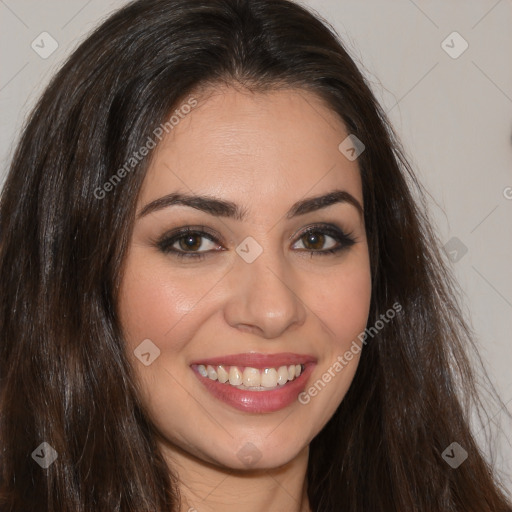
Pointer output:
217, 290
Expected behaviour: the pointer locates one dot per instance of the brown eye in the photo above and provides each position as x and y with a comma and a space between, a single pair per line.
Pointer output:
190, 242
313, 240
323, 240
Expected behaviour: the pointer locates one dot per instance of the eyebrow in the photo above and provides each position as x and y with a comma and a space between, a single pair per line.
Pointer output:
223, 208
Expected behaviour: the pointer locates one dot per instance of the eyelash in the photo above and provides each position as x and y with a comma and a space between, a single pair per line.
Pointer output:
344, 240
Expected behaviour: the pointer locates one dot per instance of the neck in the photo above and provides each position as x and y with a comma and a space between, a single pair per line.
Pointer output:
205, 487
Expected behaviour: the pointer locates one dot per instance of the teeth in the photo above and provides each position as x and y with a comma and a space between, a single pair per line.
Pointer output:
282, 375
269, 378
251, 378
235, 377
212, 374
222, 374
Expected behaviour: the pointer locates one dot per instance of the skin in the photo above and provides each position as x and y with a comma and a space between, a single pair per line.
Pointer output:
263, 151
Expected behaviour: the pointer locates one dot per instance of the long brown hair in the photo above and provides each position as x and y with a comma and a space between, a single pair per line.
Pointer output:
64, 375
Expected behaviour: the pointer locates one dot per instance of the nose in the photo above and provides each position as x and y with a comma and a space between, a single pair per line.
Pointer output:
264, 298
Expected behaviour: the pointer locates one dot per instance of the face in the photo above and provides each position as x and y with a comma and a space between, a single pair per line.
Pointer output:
247, 277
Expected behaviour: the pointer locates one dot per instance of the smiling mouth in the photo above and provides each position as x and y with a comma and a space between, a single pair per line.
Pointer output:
249, 378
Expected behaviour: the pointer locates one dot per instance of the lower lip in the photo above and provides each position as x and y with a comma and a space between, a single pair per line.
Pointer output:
258, 401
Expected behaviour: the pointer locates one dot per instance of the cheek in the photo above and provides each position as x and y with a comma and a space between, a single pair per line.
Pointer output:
342, 309
161, 305
157, 304
177, 309
154, 301
343, 305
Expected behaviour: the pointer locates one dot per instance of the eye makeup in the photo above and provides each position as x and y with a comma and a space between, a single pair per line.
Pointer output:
198, 242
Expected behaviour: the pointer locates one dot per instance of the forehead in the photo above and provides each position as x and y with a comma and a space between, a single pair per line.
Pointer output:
274, 146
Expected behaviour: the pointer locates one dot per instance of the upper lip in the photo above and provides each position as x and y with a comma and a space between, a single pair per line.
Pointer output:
258, 360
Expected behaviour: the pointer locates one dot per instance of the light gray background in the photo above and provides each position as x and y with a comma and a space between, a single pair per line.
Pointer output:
454, 117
